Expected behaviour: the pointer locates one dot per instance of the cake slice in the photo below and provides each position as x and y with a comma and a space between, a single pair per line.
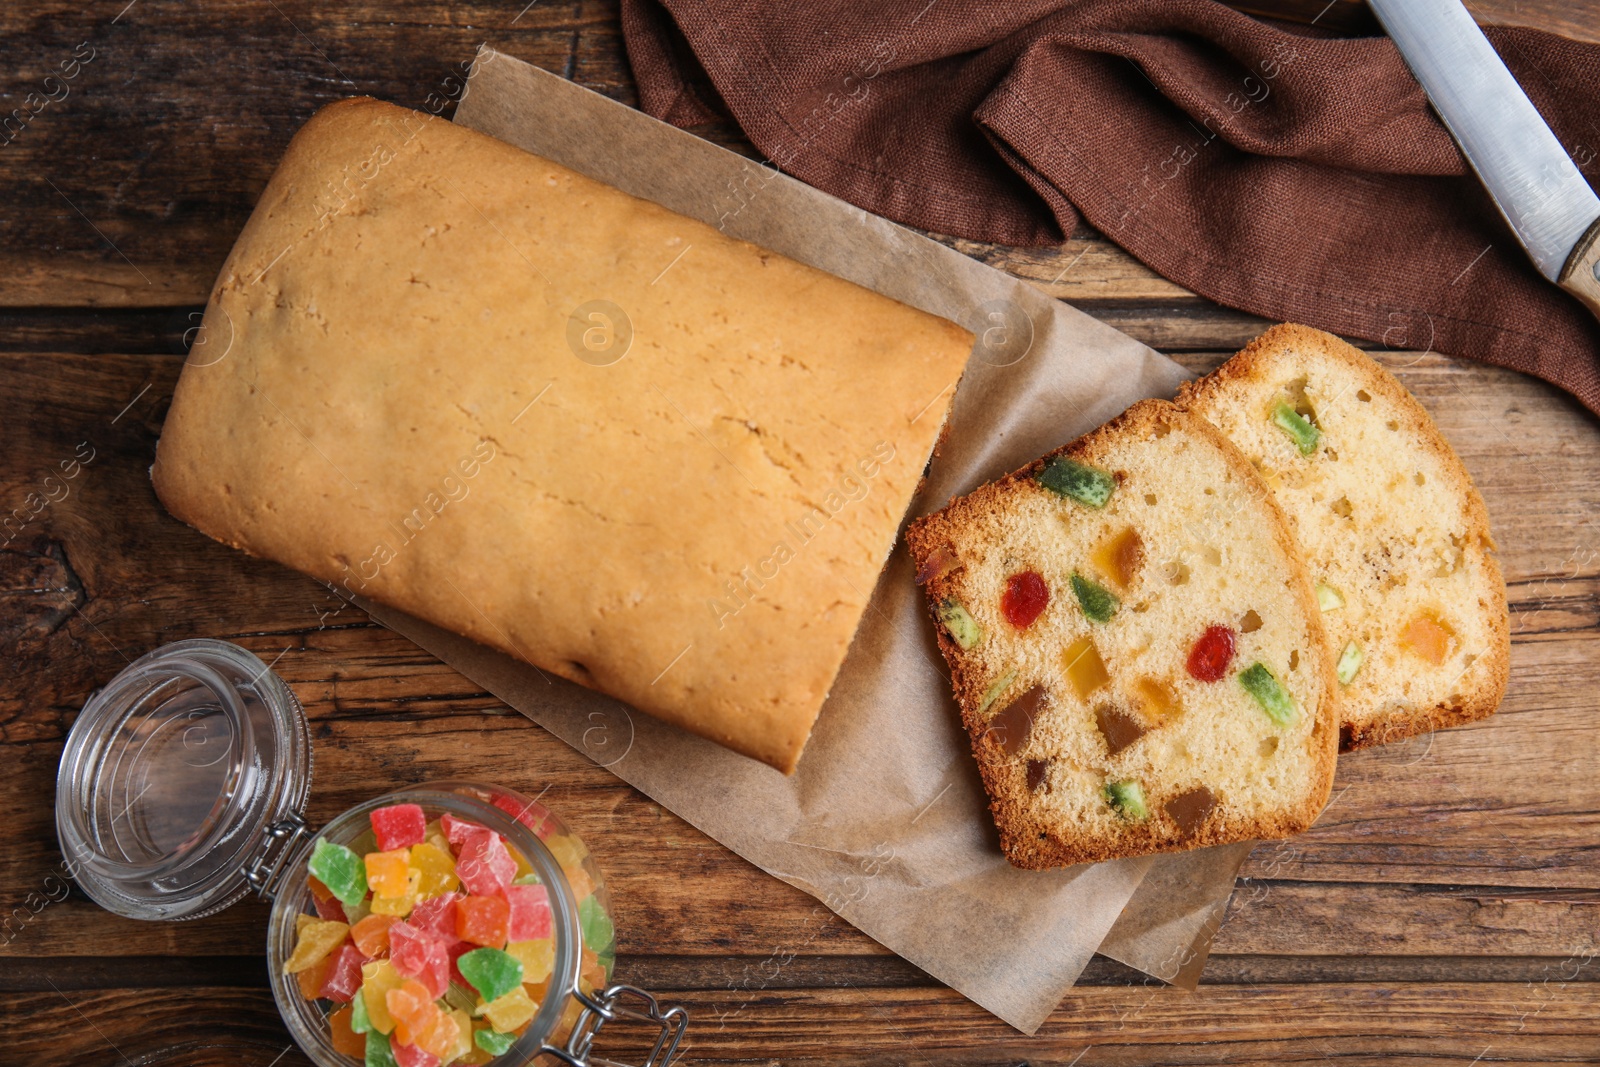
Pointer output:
1135, 646
1394, 534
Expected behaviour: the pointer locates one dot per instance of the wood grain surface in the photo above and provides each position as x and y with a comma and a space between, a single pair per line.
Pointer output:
1444, 910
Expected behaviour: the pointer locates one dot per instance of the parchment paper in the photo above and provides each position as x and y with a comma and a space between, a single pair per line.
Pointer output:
885, 821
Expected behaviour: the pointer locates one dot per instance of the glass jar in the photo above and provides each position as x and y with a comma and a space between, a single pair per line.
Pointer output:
182, 787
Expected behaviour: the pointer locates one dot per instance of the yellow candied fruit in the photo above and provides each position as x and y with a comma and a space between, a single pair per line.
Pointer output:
509, 1011
463, 1044
378, 977
1428, 637
1119, 558
437, 870
386, 872
568, 850
317, 938
438, 1035
399, 905
1157, 700
538, 958
1085, 669
476, 1056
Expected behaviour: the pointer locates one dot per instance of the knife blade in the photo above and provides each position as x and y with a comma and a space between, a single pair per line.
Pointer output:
1543, 197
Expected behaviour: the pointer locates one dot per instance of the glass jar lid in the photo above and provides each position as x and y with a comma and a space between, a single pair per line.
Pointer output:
174, 778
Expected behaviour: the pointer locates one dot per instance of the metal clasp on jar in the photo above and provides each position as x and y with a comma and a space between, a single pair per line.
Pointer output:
607, 1007
266, 871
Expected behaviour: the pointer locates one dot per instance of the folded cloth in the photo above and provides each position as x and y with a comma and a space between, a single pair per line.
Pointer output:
1279, 170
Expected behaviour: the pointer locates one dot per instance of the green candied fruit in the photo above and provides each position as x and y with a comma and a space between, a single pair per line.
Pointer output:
991, 694
1329, 598
493, 1042
1127, 799
598, 932
528, 879
360, 1022
1299, 428
1089, 486
1349, 662
341, 870
379, 1053
960, 624
1097, 602
1269, 693
491, 972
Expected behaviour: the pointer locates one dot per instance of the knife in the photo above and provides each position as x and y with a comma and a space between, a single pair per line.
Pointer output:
1538, 189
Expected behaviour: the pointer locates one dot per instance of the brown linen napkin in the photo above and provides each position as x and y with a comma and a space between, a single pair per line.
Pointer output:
1278, 170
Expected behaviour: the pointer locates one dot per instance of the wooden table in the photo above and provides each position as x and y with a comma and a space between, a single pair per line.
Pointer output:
1446, 908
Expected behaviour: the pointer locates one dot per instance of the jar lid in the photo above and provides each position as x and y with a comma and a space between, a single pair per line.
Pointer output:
174, 776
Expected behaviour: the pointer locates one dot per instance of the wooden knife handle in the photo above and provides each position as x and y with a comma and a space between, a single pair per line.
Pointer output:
1581, 274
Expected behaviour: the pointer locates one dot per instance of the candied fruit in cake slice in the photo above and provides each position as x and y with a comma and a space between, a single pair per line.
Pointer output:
1349, 663
1127, 799
1086, 484
1190, 809
1299, 428
1025, 597
1086, 671
1013, 723
959, 623
1099, 604
398, 826
1428, 637
1120, 557
1119, 700
1269, 693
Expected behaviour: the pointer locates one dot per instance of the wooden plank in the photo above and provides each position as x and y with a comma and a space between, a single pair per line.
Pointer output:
1455, 1024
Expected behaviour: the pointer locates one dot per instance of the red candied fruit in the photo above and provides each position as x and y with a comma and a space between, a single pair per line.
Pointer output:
398, 826
1025, 597
1211, 654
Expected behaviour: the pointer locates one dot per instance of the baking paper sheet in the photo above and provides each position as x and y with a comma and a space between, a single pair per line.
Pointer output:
885, 821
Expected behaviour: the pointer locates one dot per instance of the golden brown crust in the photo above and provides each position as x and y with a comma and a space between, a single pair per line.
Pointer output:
1253, 360
1028, 842
406, 407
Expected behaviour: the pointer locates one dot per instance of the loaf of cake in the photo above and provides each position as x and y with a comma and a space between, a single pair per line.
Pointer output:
1395, 535
1135, 646
459, 379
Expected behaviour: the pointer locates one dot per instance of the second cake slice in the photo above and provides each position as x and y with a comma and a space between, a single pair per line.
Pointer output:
1135, 646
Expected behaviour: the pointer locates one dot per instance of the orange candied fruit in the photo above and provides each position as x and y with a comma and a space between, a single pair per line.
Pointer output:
388, 873
1085, 669
1157, 700
1428, 637
1119, 558
371, 935
483, 920
346, 1040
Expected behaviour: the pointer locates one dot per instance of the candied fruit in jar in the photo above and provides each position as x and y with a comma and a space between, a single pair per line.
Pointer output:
378, 979
316, 939
483, 863
398, 826
346, 1040
529, 915
343, 977
388, 873
510, 1010
538, 958
371, 935
437, 868
482, 920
